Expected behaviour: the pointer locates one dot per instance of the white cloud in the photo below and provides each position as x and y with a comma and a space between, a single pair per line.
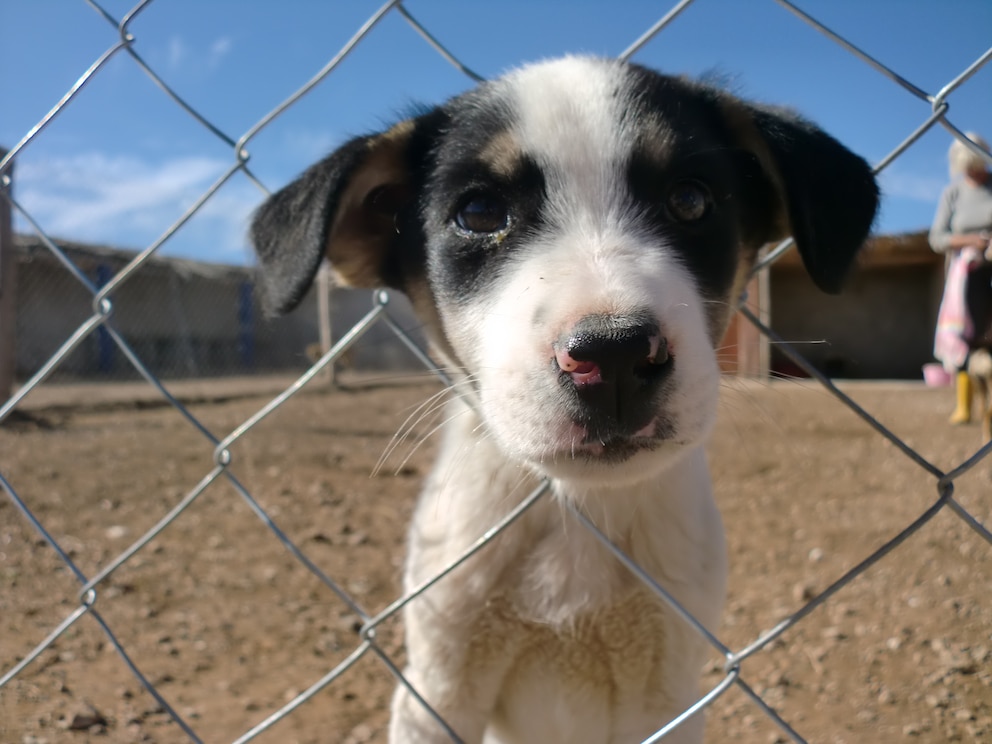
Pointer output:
218, 231
179, 55
177, 52
309, 145
913, 186
129, 202
219, 49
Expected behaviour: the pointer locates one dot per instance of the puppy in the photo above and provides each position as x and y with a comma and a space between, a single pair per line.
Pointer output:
574, 237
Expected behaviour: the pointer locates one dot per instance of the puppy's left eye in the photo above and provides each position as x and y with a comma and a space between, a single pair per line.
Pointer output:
689, 201
483, 213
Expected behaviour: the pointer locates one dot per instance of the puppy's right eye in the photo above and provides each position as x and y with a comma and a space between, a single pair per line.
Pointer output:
688, 201
483, 213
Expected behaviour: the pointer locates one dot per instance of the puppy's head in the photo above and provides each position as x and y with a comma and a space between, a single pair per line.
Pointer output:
574, 236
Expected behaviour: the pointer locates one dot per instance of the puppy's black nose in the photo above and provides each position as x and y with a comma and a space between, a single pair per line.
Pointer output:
614, 366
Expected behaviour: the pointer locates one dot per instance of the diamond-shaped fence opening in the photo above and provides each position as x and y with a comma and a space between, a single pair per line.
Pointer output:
257, 559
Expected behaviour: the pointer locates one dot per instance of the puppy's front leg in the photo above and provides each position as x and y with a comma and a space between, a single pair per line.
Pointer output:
457, 664
462, 634
411, 723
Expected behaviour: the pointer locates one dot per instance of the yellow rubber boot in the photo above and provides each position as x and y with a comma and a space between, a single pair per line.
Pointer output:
962, 413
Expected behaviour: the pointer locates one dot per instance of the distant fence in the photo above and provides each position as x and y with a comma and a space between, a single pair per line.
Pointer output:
102, 297
184, 319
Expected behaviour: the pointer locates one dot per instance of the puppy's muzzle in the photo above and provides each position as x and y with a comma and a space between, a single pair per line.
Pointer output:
611, 368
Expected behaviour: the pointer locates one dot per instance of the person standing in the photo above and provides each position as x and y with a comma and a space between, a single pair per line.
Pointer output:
961, 229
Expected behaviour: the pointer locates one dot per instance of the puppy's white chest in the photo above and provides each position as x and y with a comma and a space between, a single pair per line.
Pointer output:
614, 676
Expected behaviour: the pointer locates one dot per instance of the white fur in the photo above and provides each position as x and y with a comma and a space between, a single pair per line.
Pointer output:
543, 637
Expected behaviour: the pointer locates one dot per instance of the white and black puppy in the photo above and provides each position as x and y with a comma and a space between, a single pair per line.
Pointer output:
574, 237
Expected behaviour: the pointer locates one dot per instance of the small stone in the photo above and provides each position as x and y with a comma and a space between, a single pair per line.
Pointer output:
360, 734
834, 633
803, 592
87, 721
778, 678
866, 715
357, 538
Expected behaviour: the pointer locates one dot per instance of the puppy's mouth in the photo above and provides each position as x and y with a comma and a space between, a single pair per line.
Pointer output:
612, 452
616, 448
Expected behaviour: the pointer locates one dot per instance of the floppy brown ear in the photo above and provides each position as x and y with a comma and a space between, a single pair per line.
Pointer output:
829, 194
345, 207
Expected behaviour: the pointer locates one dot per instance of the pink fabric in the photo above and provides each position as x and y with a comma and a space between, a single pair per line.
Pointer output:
954, 326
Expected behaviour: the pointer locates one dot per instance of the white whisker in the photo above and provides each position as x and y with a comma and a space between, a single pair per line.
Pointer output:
426, 436
423, 412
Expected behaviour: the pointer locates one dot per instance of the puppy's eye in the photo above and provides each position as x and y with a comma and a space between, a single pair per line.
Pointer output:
483, 213
688, 201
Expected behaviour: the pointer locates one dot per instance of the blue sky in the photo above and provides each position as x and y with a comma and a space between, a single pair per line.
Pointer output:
122, 162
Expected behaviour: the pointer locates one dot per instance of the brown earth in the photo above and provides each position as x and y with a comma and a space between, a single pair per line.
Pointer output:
229, 626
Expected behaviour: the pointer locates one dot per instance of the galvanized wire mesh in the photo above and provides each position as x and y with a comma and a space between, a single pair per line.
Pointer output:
99, 302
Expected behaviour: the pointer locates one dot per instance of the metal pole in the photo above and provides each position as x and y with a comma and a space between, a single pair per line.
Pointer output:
753, 353
8, 287
324, 319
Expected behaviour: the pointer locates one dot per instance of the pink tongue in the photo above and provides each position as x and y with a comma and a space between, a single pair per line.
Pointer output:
583, 373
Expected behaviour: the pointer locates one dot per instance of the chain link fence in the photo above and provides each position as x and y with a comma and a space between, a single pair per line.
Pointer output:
99, 330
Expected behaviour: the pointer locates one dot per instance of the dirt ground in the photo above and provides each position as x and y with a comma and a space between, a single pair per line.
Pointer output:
229, 626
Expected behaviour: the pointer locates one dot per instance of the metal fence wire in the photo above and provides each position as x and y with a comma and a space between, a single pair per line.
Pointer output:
88, 606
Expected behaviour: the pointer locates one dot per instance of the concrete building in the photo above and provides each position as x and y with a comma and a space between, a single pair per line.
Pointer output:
182, 318
881, 326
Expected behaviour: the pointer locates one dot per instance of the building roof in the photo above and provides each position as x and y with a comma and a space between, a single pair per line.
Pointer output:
87, 255
900, 249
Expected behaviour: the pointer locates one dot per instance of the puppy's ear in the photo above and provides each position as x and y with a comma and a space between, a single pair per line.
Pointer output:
828, 193
345, 207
